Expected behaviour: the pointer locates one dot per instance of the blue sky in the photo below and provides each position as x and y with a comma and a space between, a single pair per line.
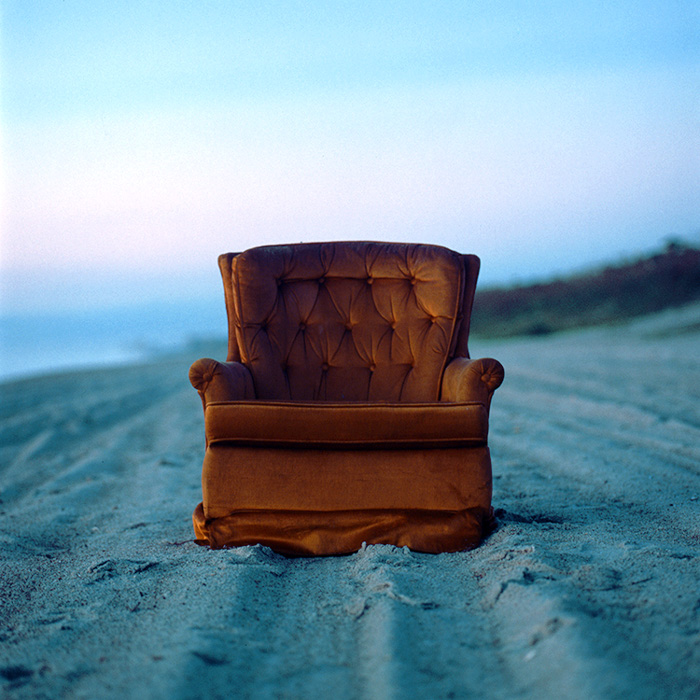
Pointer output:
142, 139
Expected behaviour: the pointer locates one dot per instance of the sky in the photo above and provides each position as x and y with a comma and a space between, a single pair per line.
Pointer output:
141, 139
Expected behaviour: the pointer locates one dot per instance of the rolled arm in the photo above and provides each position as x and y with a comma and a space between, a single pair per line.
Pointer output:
221, 381
471, 380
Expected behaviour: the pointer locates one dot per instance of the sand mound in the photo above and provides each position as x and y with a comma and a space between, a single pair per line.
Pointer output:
587, 589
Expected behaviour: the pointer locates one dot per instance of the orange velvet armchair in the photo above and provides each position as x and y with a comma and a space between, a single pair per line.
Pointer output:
348, 410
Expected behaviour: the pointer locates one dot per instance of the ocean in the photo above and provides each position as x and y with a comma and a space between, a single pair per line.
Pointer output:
32, 344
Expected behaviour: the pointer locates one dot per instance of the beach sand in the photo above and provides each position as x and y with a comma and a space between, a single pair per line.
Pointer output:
587, 589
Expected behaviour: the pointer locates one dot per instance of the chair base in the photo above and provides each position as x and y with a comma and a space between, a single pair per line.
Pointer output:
308, 502
321, 533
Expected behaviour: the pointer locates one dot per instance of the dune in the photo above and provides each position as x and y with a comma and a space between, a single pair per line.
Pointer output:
588, 588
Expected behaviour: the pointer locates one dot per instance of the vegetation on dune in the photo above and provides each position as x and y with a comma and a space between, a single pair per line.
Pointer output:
611, 295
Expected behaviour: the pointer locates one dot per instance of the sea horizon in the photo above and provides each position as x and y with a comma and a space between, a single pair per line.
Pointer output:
36, 343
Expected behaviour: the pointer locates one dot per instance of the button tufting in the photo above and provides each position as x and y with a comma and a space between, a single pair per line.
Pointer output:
370, 280
321, 280
324, 366
413, 281
393, 325
302, 326
372, 367
348, 326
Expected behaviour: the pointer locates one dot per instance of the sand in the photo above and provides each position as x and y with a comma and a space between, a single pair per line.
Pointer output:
587, 589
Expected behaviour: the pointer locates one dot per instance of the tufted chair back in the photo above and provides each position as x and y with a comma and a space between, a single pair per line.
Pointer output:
352, 321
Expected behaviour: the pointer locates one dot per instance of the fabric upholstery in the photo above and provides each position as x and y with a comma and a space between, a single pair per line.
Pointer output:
221, 381
346, 322
266, 478
475, 380
335, 425
306, 533
348, 409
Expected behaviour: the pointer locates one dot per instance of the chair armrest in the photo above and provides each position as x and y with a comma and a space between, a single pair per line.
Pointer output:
221, 381
471, 380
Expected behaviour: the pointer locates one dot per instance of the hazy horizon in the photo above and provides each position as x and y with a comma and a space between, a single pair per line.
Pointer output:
114, 291
132, 329
140, 140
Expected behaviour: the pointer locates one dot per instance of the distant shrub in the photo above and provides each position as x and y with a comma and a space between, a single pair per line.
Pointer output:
616, 293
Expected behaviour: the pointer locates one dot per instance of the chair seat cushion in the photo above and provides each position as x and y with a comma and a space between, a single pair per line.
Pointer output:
345, 425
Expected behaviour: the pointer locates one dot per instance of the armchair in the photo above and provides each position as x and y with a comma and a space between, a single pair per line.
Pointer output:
348, 410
